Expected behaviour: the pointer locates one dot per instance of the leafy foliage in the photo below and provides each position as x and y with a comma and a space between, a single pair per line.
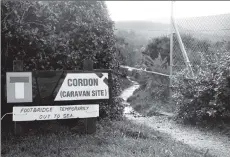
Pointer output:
137, 40
153, 93
123, 51
161, 46
158, 46
59, 36
154, 87
202, 100
205, 99
129, 44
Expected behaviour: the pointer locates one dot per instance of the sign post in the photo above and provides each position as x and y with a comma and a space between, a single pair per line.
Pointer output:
90, 123
18, 67
62, 94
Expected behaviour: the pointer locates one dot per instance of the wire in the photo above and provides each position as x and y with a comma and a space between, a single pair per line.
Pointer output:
5, 115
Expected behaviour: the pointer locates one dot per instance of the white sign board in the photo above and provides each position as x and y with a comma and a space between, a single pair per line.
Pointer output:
84, 86
31, 113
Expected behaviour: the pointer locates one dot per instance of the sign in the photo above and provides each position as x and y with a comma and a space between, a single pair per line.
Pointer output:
84, 86
31, 113
19, 87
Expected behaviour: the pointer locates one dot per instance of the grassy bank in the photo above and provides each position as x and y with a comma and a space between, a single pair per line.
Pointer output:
143, 102
118, 138
151, 98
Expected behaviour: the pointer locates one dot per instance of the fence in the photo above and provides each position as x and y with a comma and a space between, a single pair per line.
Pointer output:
201, 35
195, 36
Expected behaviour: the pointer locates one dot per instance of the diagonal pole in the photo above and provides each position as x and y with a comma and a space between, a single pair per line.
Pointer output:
171, 54
184, 53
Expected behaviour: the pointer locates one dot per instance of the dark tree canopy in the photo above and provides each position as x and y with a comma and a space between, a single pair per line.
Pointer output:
56, 35
161, 46
59, 35
158, 46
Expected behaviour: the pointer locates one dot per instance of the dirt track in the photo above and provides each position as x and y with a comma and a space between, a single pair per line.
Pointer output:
214, 144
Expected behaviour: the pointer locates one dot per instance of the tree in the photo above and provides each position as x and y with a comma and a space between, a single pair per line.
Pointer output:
121, 46
161, 46
58, 35
130, 46
158, 46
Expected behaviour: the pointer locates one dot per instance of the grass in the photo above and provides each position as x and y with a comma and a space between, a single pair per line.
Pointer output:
113, 138
144, 99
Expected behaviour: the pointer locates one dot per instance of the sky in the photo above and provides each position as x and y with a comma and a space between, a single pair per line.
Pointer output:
160, 11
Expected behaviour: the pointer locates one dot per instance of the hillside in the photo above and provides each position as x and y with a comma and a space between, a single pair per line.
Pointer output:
147, 29
212, 23
214, 28
140, 25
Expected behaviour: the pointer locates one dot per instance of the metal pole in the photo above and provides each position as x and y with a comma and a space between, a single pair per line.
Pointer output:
184, 53
171, 54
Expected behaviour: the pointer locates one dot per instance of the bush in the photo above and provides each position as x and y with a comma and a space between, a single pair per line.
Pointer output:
156, 84
205, 99
59, 36
158, 47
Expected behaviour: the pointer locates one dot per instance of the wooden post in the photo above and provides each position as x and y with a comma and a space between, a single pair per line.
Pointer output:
17, 67
90, 123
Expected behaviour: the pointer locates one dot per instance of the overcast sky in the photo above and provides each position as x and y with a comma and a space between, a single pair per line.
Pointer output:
159, 11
